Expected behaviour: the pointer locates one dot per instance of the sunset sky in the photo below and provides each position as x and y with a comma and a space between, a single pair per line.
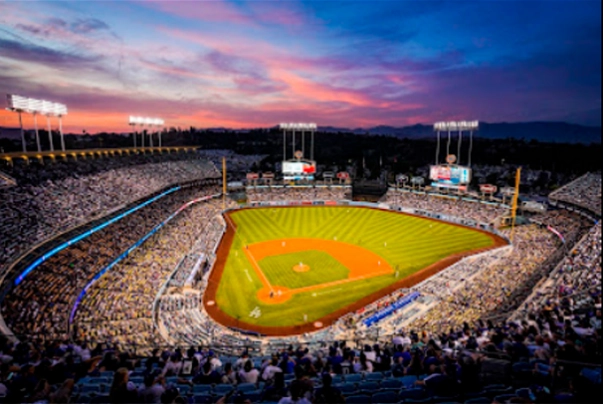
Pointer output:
257, 63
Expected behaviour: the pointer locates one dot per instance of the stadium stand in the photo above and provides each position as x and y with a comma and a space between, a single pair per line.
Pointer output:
470, 337
52, 198
584, 192
454, 206
270, 194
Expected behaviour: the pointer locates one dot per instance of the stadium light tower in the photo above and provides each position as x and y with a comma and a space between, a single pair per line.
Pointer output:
293, 127
452, 127
151, 122
21, 104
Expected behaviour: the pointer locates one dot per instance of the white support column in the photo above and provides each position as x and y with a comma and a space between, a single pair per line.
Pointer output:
37, 134
49, 134
24, 144
61, 132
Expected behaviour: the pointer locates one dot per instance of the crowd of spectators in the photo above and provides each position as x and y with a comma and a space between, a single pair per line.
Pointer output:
237, 164
55, 197
584, 192
298, 194
492, 290
118, 307
41, 303
447, 205
576, 281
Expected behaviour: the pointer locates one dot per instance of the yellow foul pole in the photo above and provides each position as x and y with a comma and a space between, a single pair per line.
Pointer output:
223, 183
515, 198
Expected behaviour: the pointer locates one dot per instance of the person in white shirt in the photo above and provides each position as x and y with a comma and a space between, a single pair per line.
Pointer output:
249, 374
270, 370
172, 367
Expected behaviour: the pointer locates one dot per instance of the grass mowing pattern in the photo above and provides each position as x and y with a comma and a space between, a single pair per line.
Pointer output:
323, 268
407, 243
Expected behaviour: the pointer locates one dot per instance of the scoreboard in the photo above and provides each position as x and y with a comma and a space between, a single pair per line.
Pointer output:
296, 170
450, 176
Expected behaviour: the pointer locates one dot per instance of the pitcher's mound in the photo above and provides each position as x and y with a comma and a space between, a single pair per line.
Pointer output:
301, 268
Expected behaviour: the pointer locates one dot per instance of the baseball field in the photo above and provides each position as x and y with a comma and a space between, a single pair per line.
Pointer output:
287, 269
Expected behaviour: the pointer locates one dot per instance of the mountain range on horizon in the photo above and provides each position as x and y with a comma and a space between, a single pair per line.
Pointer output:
558, 132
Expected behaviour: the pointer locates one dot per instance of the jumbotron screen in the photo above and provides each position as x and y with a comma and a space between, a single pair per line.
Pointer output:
450, 175
298, 170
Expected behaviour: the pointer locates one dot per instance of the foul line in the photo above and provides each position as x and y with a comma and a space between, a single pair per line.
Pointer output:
257, 269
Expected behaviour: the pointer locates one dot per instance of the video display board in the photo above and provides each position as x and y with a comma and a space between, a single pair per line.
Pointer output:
299, 170
450, 175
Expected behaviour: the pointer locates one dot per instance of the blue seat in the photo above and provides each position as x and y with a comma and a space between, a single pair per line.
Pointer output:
171, 379
408, 381
369, 387
523, 393
136, 379
373, 376
503, 398
347, 388
385, 398
254, 397
244, 387
99, 400
221, 389
356, 377
97, 380
479, 400
90, 388
201, 388
412, 394
108, 374
391, 384
358, 399
184, 388
499, 392
202, 399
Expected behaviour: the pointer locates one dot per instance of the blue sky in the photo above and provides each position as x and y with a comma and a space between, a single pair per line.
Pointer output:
257, 63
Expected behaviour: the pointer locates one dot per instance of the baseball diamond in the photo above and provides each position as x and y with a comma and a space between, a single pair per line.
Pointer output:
280, 270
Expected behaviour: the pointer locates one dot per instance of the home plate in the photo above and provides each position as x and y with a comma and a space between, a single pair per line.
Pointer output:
211, 303
317, 324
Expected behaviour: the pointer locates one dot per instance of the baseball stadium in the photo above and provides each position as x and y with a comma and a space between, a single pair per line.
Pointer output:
303, 262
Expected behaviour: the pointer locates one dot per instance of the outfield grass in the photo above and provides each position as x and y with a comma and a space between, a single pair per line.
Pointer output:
407, 243
323, 268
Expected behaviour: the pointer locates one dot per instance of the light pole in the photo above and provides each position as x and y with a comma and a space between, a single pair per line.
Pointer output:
35, 114
49, 133
21, 104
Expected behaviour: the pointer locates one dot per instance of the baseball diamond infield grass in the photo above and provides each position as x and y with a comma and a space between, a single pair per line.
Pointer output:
292, 266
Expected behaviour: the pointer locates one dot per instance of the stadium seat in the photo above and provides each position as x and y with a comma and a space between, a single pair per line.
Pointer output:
359, 399
523, 393
90, 388
202, 399
221, 389
391, 384
385, 398
348, 388
356, 377
499, 392
412, 394
244, 387
201, 388
137, 379
98, 400
254, 397
376, 376
98, 380
503, 398
479, 400
408, 381
368, 387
